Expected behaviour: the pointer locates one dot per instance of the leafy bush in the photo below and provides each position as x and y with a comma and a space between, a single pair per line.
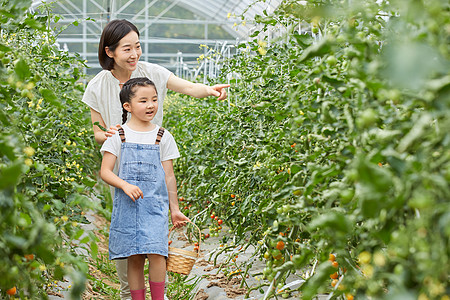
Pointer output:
334, 141
47, 156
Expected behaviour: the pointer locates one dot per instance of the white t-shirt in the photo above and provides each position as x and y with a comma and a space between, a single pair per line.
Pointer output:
102, 92
168, 146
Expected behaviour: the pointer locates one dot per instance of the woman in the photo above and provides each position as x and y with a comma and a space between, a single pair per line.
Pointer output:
119, 52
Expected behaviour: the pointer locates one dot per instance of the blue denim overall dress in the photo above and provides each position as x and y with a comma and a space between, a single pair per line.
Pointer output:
140, 227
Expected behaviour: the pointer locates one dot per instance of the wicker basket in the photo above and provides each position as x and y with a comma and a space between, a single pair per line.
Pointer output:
181, 261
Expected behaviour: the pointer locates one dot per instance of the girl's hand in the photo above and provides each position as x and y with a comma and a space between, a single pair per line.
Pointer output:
133, 192
178, 218
219, 91
112, 131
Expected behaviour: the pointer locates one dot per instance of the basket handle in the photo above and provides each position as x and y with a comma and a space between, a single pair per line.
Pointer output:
199, 232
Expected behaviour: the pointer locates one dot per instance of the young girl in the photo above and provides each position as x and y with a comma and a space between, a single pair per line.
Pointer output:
119, 55
145, 188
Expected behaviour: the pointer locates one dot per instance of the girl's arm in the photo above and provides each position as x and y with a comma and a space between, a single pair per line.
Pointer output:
176, 215
108, 176
196, 90
100, 135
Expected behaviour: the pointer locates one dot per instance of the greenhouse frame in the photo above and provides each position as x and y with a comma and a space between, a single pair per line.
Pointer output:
212, 23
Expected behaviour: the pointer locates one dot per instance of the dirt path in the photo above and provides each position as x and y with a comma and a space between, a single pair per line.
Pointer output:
218, 281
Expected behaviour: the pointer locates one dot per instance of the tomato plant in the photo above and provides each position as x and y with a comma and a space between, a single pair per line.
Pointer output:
337, 138
47, 156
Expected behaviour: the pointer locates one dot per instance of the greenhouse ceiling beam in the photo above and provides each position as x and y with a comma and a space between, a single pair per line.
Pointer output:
158, 55
152, 41
164, 21
144, 10
74, 16
101, 8
210, 11
216, 11
160, 15
123, 7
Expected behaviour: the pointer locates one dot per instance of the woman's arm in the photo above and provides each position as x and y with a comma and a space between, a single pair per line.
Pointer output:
108, 176
196, 90
100, 135
176, 215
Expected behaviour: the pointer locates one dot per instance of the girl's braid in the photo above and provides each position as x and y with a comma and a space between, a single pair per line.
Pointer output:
124, 115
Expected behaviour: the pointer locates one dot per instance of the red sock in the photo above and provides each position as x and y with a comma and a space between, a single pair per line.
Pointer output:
157, 290
138, 294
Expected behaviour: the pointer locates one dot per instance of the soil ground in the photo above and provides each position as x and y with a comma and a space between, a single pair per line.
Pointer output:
218, 281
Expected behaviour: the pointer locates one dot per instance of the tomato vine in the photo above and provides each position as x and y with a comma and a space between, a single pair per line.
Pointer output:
333, 140
47, 156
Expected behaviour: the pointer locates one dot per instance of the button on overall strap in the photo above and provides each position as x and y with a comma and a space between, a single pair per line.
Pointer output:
122, 134
159, 135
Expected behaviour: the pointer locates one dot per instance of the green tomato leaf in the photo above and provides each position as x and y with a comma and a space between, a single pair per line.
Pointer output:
22, 69
94, 250
50, 96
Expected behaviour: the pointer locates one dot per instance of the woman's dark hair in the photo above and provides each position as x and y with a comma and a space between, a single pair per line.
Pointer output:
128, 90
113, 32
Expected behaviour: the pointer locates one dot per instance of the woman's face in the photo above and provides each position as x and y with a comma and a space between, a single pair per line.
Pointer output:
127, 53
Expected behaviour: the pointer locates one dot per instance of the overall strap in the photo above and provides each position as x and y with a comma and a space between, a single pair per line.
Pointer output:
122, 134
159, 135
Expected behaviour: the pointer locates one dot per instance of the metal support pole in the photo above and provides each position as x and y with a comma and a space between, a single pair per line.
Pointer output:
146, 44
85, 32
205, 53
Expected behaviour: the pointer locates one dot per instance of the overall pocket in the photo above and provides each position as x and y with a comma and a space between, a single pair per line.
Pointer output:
139, 171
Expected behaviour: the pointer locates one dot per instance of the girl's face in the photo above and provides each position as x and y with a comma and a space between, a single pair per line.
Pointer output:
144, 104
127, 53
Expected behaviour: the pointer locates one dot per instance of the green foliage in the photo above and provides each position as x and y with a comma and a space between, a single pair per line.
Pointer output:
336, 145
46, 157
181, 287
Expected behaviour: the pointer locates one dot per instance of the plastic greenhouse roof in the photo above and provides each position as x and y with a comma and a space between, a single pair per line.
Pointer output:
227, 11
220, 9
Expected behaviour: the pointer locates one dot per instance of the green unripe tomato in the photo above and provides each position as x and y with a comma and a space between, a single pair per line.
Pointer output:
398, 270
275, 225
331, 60
341, 39
23, 93
295, 104
267, 271
347, 196
286, 208
13, 271
42, 114
277, 262
367, 118
276, 254
297, 260
361, 35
